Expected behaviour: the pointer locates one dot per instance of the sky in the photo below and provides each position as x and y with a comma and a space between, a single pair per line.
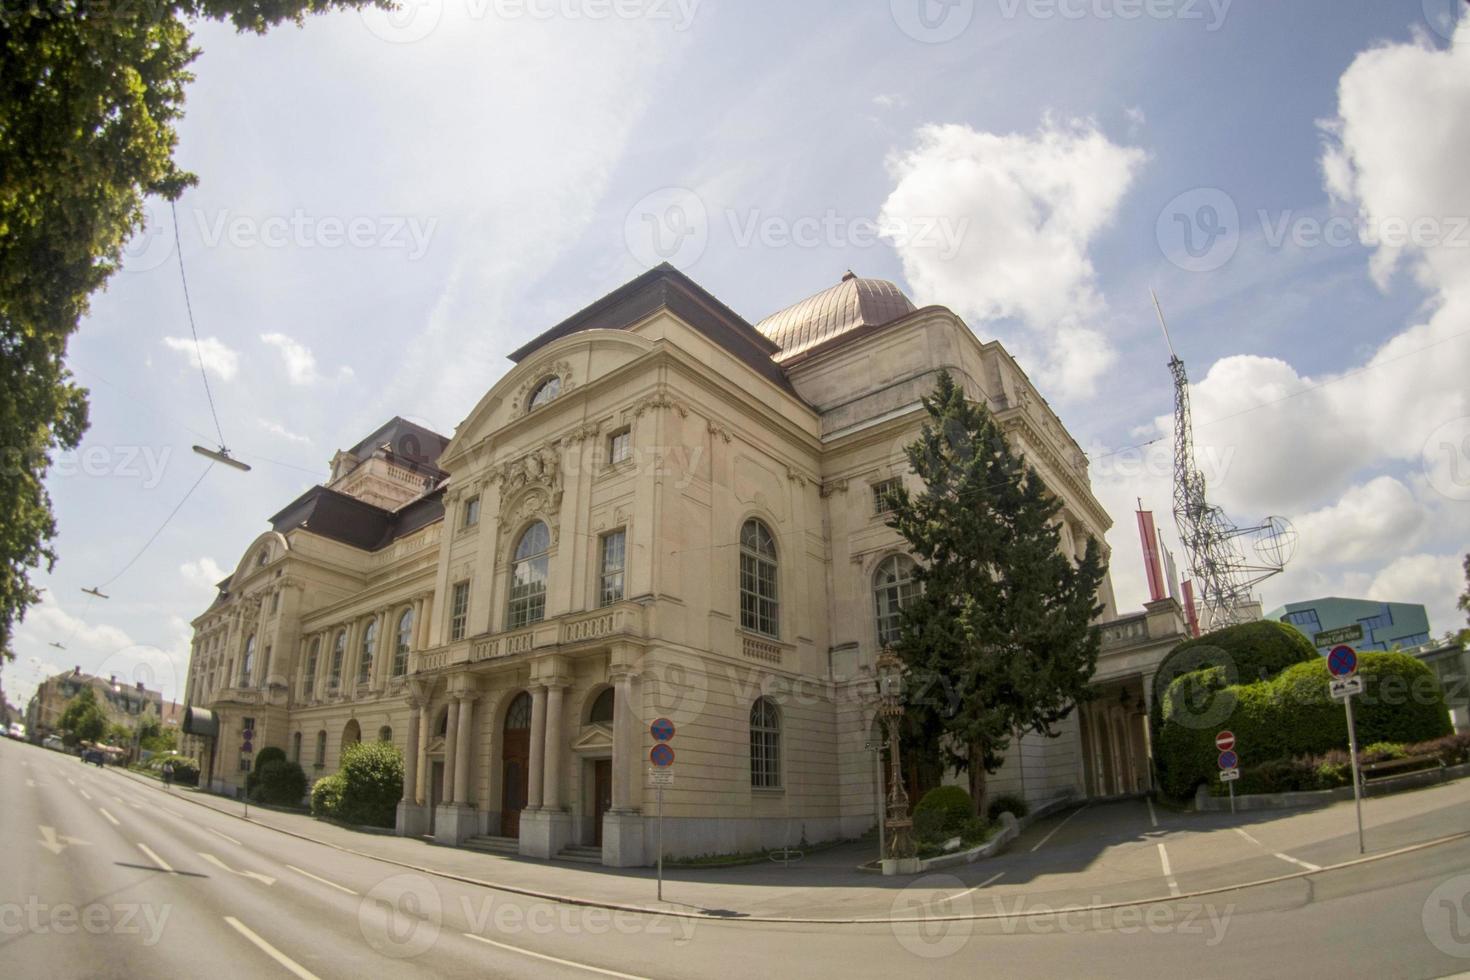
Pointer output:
390, 203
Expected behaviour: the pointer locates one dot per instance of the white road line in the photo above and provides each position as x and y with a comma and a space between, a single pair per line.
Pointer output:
109, 816
1249, 837
982, 884
1153, 818
331, 884
552, 959
270, 950
31, 783
84, 793
1057, 828
1168, 871
225, 836
1297, 861
156, 859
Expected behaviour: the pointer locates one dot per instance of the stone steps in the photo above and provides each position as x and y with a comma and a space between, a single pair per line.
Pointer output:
581, 853
509, 846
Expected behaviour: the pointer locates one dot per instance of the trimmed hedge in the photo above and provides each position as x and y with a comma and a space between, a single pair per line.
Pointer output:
1291, 716
942, 812
279, 782
372, 774
326, 795
1007, 803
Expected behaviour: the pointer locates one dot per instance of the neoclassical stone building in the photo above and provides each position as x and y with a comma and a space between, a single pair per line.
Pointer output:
661, 510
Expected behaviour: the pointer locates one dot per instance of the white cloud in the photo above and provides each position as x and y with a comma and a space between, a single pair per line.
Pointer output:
1030, 206
218, 359
299, 361
889, 101
1434, 580
98, 648
281, 432
203, 573
1381, 517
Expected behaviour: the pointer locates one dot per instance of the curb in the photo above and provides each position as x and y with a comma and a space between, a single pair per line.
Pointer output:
872, 920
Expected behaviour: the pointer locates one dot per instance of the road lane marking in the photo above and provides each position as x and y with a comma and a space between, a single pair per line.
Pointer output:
162, 864
553, 959
56, 843
1297, 861
1153, 818
1248, 837
263, 879
1168, 871
1058, 827
270, 950
331, 884
109, 816
31, 783
225, 836
85, 794
982, 884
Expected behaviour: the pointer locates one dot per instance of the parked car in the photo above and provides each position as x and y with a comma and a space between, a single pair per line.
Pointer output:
17, 731
54, 743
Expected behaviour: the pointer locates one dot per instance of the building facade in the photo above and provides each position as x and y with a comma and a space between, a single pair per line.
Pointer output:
661, 510
123, 704
1365, 624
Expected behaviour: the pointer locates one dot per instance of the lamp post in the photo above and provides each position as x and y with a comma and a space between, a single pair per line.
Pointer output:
901, 851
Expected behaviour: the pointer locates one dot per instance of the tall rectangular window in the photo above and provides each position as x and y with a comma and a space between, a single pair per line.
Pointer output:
619, 446
614, 552
459, 611
883, 495
471, 512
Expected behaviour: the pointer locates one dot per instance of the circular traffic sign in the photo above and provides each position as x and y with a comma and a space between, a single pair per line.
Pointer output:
1228, 760
662, 730
1342, 661
662, 755
1225, 741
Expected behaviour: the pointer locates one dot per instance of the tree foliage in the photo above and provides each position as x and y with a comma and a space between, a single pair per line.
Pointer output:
90, 94
999, 640
83, 720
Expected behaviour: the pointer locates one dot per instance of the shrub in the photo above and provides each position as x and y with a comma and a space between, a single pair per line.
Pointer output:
1007, 803
942, 813
1292, 716
372, 774
1451, 750
263, 758
326, 795
1381, 752
280, 782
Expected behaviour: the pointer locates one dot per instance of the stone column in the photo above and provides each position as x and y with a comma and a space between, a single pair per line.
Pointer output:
552, 789
411, 755
462, 749
624, 746
449, 749
421, 794
537, 775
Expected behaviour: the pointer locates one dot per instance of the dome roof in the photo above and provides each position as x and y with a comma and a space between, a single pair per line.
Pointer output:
847, 306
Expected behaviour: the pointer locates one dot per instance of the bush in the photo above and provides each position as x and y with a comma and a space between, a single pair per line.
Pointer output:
1007, 803
263, 758
942, 813
372, 774
326, 795
1381, 752
279, 782
1292, 716
1451, 750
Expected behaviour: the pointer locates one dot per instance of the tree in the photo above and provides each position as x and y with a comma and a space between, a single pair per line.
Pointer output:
999, 640
1465, 602
89, 97
83, 720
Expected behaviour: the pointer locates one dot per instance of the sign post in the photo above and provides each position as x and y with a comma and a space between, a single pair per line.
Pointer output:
1342, 664
1229, 763
662, 774
247, 750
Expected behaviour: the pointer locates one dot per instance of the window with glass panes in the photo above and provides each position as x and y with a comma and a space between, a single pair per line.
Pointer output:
459, 610
765, 744
610, 582
619, 446
893, 588
759, 606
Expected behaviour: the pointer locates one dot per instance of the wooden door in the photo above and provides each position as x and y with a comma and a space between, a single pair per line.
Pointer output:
515, 765
601, 794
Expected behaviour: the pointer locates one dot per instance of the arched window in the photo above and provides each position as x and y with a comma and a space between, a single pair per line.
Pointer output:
602, 708
405, 642
759, 607
351, 735
893, 588
321, 748
518, 715
369, 647
247, 665
765, 744
385, 734
309, 681
528, 576
544, 392
296, 748
339, 653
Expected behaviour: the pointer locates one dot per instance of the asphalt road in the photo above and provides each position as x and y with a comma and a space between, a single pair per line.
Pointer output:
106, 876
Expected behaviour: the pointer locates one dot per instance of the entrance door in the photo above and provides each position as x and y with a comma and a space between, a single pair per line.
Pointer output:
436, 788
515, 764
601, 794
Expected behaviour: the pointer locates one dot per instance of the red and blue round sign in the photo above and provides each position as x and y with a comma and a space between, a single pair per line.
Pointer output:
662, 730
1342, 661
1229, 760
662, 755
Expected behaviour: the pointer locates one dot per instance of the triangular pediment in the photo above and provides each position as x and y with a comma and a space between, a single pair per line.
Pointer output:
594, 738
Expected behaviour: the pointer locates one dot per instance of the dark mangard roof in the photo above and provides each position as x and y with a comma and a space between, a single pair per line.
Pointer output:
351, 521
407, 442
665, 287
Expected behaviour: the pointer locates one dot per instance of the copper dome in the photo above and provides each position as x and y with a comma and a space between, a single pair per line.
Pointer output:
850, 304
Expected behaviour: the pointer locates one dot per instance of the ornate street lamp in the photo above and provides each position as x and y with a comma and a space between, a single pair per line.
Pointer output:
890, 709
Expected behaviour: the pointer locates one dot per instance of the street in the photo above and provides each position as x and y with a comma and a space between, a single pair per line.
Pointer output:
112, 876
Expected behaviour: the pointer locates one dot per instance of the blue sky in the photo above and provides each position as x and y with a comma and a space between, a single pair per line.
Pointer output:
388, 206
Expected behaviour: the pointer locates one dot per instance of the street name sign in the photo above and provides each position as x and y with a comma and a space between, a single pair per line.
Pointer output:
1343, 634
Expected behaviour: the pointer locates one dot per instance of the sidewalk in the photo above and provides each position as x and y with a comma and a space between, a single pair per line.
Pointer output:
1122, 852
